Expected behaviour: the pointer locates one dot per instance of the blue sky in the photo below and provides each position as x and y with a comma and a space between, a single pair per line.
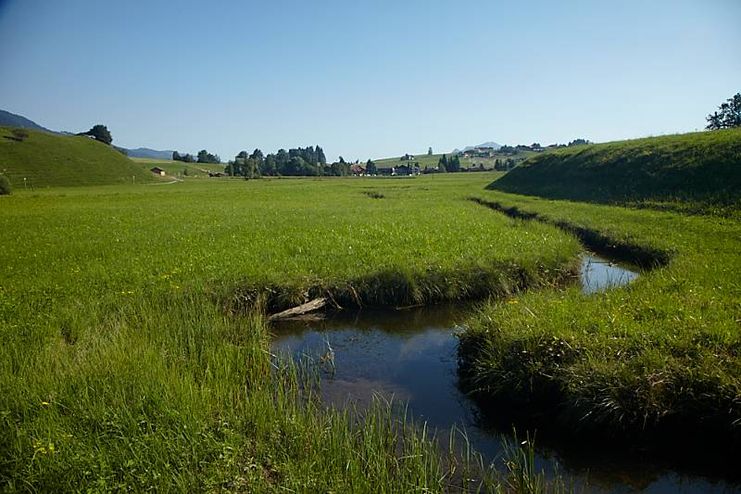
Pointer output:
368, 78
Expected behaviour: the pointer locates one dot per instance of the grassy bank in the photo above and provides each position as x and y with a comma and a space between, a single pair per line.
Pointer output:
698, 172
53, 160
121, 369
659, 354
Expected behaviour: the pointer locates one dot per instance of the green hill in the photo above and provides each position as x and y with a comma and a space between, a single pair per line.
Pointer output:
702, 168
51, 160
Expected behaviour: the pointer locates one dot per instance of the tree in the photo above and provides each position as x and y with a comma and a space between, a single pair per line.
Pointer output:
429, 151
729, 116
100, 133
370, 168
320, 156
454, 164
442, 164
206, 157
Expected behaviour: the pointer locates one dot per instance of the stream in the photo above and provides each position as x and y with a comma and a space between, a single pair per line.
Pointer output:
410, 356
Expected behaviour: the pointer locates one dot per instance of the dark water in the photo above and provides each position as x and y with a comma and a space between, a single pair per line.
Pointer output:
410, 357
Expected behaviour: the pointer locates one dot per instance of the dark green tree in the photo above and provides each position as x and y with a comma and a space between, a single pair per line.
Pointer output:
370, 168
442, 163
320, 156
429, 151
100, 133
729, 115
269, 166
206, 157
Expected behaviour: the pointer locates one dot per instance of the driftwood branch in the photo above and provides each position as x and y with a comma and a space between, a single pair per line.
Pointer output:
311, 306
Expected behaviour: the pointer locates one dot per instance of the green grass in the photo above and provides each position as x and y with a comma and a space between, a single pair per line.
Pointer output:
121, 366
177, 168
50, 160
697, 172
659, 354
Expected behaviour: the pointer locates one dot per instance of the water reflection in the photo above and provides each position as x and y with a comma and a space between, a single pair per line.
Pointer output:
599, 274
410, 356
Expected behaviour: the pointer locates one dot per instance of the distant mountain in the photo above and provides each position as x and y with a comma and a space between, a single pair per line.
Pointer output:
152, 154
8, 119
489, 144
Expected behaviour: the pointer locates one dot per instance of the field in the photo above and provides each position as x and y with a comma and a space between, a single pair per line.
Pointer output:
133, 350
178, 168
51, 160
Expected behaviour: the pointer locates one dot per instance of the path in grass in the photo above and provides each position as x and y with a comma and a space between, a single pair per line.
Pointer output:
119, 366
661, 353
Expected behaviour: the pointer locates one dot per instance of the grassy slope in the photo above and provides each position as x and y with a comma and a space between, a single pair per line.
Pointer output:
663, 351
703, 168
118, 369
49, 160
176, 168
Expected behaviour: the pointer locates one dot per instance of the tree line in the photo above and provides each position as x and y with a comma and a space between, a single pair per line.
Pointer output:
202, 157
309, 161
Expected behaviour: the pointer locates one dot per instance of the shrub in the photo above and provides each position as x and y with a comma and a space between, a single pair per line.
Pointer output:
5, 188
20, 135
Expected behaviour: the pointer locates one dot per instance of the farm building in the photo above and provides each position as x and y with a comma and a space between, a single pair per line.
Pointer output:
158, 171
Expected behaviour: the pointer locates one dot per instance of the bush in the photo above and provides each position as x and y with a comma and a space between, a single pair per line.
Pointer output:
5, 188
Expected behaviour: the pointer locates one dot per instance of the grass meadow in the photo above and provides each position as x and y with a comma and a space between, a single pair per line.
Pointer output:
134, 349
661, 353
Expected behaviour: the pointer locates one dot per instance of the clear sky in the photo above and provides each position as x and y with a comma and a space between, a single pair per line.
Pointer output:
368, 78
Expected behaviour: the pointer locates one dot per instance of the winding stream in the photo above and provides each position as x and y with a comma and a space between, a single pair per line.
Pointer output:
410, 357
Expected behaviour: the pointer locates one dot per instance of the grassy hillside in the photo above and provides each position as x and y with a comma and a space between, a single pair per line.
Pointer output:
703, 168
49, 160
177, 168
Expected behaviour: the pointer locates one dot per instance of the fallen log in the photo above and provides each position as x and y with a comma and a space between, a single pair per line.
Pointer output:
310, 306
